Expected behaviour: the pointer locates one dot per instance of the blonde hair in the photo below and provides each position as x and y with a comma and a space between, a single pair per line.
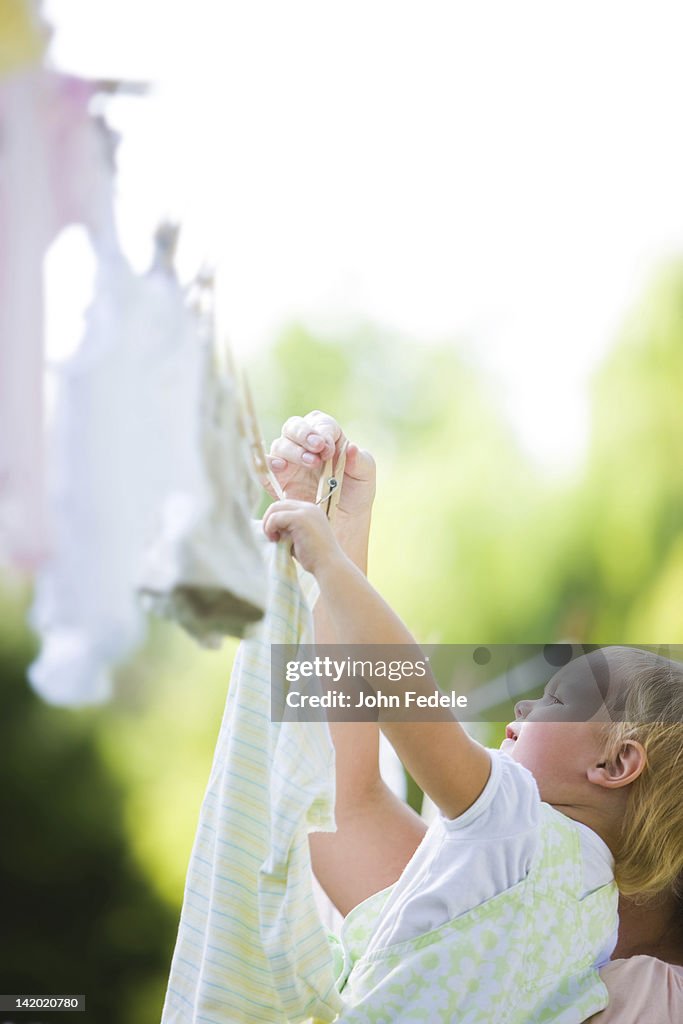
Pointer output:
649, 709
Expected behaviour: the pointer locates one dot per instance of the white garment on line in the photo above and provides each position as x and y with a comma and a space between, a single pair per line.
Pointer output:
122, 438
204, 569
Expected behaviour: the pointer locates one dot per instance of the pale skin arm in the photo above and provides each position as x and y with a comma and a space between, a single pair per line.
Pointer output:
377, 833
447, 763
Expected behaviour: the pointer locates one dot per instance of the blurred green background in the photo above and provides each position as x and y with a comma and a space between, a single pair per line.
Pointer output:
472, 543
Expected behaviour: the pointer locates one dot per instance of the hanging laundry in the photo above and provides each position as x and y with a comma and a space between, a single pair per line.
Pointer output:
250, 944
22, 44
54, 170
206, 570
124, 433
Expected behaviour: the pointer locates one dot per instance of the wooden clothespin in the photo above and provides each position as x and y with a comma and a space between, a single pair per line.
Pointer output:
257, 448
120, 86
165, 245
329, 485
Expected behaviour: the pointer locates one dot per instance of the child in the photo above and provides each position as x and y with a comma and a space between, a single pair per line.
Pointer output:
508, 906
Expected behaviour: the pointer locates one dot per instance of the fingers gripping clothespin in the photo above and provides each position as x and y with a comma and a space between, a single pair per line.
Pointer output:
329, 485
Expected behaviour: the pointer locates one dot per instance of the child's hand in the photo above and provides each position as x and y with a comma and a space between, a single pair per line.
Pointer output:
306, 526
297, 456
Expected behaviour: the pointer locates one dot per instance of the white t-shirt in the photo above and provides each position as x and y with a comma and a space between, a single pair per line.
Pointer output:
463, 862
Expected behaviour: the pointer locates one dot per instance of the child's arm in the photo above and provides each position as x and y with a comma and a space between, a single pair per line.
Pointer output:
377, 833
448, 765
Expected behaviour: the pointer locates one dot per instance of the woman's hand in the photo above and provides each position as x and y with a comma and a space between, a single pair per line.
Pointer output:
307, 528
298, 455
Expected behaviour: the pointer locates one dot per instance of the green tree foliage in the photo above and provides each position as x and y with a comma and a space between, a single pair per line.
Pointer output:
459, 537
78, 914
624, 562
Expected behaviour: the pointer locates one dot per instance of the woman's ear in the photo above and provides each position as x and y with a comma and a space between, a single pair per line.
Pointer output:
622, 769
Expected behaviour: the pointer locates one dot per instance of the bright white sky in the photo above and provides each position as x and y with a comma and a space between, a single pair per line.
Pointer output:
505, 173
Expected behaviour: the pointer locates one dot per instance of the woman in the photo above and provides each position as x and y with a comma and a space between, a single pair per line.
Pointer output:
645, 976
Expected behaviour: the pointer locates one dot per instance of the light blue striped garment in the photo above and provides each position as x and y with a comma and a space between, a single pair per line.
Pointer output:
250, 944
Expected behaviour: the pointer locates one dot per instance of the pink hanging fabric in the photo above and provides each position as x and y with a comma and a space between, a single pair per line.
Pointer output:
54, 172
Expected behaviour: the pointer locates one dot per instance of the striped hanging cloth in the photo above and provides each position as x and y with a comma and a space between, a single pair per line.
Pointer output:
250, 944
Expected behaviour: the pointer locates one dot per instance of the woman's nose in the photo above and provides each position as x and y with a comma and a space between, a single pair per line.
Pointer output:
522, 708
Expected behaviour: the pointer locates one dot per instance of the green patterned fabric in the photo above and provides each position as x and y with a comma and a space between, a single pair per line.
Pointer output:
524, 957
250, 947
